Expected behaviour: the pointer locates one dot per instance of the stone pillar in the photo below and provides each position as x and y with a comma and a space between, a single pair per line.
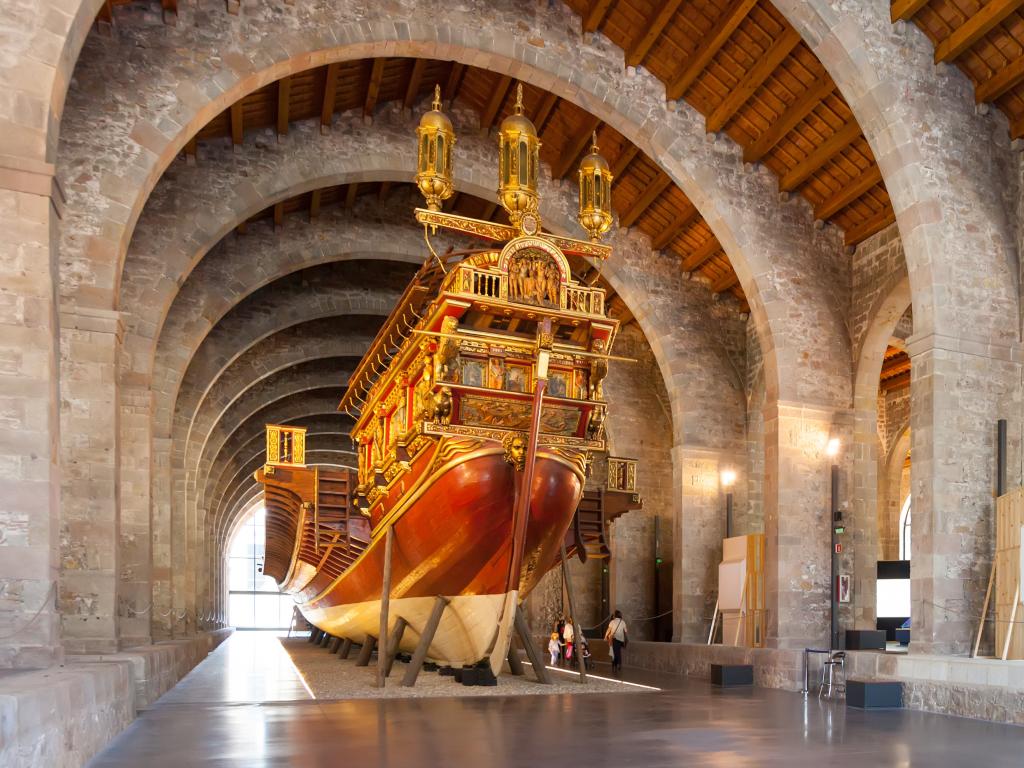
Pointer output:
864, 517
700, 528
631, 571
89, 532
959, 390
797, 524
135, 577
163, 593
30, 204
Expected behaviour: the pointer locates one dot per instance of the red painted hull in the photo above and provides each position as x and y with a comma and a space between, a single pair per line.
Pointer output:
455, 537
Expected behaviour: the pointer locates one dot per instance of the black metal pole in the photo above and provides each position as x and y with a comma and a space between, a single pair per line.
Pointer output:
1001, 457
834, 508
728, 515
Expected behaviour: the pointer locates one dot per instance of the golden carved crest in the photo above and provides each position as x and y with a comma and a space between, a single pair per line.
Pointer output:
515, 449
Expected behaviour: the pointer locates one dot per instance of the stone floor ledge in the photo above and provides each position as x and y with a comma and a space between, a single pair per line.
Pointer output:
60, 717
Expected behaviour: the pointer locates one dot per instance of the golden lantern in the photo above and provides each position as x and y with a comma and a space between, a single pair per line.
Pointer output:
595, 194
518, 167
434, 162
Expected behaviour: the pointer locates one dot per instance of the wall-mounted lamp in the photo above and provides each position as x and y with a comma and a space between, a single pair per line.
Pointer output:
832, 448
728, 478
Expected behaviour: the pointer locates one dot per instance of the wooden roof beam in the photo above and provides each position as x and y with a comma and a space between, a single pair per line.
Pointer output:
330, 90
788, 120
670, 233
713, 41
489, 211
314, 204
373, 88
622, 162
642, 203
284, 92
895, 365
975, 28
576, 147
1003, 80
451, 87
237, 123
545, 111
493, 108
725, 282
279, 215
824, 152
905, 10
702, 254
382, 193
593, 18
740, 94
350, 196
412, 88
869, 226
850, 192
654, 27
896, 382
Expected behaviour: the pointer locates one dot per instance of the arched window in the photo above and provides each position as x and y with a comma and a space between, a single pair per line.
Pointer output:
905, 530
254, 601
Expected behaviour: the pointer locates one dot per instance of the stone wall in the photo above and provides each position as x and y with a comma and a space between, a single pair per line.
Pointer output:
63, 716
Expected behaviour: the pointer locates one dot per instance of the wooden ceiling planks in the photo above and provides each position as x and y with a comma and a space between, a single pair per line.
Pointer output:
744, 67
985, 40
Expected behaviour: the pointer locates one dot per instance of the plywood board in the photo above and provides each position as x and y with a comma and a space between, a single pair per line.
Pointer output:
1009, 563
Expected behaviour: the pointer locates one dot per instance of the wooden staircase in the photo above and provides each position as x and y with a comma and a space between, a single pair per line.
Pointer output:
588, 534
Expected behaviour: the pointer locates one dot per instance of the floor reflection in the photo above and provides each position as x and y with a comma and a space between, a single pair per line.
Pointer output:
213, 718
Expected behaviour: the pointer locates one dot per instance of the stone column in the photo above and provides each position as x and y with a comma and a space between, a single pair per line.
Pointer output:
700, 528
631, 571
89, 532
865, 506
30, 203
797, 523
163, 564
135, 578
959, 389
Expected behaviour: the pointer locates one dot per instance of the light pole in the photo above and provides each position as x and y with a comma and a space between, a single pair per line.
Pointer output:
832, 450
728, 478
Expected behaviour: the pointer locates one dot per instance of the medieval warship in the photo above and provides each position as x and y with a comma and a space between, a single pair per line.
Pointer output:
477, 407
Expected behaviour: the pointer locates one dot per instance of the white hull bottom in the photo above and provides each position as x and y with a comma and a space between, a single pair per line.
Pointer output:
472, 628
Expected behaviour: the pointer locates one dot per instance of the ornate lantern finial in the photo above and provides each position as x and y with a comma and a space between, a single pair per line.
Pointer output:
595, 194
434, 162
518, 167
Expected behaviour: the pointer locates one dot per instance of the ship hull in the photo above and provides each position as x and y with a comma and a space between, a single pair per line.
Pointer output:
453, 537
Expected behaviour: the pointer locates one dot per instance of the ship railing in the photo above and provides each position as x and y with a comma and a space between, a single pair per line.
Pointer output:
485, 283
589, 301
621, 474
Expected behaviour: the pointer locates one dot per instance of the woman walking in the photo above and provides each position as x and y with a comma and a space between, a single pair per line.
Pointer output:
617, 638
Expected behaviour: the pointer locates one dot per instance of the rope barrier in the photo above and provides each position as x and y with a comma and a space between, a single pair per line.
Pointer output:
49, 593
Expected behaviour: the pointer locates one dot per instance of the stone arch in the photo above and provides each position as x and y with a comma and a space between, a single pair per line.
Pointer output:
767, 241
947, 168
891, 497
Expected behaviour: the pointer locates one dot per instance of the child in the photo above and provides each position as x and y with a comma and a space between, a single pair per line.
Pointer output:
553, 648
585, 655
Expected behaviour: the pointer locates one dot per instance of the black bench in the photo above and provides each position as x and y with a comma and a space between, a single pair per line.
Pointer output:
874, 694
731, 675
865, 639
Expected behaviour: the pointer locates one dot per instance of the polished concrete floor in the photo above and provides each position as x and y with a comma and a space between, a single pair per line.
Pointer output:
247, 706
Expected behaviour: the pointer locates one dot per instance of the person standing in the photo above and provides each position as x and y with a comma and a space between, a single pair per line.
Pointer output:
617, 637
553, 648
569, 634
